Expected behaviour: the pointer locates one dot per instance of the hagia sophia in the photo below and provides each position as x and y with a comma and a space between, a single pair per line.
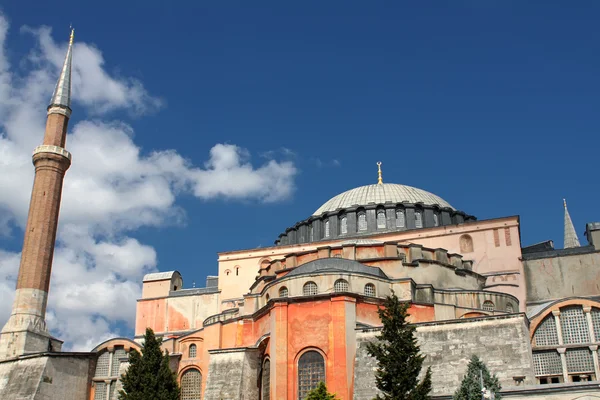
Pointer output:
274, 321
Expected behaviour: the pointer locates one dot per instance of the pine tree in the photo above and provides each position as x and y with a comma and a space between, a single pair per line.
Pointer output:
320, 393
398, 355
149, 376
470, 387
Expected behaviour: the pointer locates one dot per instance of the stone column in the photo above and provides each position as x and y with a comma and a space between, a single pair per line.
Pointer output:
563, 361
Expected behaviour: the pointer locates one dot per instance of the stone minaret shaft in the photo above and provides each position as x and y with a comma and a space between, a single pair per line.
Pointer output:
26, 332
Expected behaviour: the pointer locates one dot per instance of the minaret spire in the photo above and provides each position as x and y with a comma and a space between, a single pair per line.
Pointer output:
25, 331
571, 239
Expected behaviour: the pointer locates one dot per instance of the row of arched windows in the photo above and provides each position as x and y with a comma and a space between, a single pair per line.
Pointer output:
341, 285
311, 371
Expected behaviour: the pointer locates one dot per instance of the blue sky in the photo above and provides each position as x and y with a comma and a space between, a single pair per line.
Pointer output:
492, 105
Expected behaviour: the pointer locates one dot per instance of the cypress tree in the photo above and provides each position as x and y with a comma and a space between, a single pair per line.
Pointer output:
470, 387
149, 376
320, 393
398, 355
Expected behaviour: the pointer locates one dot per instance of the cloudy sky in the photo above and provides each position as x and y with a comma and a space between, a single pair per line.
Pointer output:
213, 127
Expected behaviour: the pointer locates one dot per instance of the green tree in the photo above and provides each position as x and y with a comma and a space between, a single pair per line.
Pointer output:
398, 355
470, 387
149, 376
320, 393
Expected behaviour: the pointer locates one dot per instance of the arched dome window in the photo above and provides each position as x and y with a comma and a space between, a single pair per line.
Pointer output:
381, 219
310, 289
191, 385
192, 351
370, 290
326, 233
341, 285
488, 306
400, 220
283, 292
266, 380
510, 308
311, 371
343, 225
436, 220
361, 221
311, 235
466, 244
418, 219
267, 297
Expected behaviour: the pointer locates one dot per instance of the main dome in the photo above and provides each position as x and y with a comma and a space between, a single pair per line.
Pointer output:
380, 194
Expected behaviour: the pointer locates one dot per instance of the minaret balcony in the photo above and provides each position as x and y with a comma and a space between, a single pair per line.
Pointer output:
46, 148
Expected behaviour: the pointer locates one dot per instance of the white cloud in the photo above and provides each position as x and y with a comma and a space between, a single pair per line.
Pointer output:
111, 189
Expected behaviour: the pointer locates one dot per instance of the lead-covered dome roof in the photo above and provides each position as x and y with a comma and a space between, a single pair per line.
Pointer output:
381, 194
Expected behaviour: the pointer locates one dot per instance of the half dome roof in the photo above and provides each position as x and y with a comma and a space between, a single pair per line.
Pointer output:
380, 194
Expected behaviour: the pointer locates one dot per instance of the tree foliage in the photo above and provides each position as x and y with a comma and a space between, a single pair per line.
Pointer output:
149, 376
470, 387
320, 393
398, 355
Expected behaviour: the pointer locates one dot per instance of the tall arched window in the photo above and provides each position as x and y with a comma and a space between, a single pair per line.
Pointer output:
466, 244
343, 225
418, 219
370, 290
400, 221
192, 351
574, 325
362, 221
283, 292
311, 234
310, 289
341, 285
488, 306
266, 380
436, 220
191, 385
381, 219
311, 371
327, 228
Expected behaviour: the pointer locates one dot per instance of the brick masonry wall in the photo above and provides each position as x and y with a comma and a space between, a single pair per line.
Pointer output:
502, 343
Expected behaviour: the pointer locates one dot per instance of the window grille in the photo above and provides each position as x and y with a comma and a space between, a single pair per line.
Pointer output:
436, 221
510, 308
370, 290
545, 334
103, 364
381, 219
400, 219
112, 393
118, 355
547, 363
362, 221
266, 380
488, 306
192, 353
191, 385
418, 219
596, 323
283, 292
100, 392
579, 360
311, 371
340, 285
327, 228
343, 225
310, 289
574, 325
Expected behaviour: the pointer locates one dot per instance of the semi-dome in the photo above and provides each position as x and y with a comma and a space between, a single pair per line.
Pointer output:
380, 194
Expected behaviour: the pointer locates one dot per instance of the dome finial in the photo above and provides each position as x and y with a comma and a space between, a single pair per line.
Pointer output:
379, 180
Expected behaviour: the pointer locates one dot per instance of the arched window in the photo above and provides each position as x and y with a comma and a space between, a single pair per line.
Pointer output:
311, 371
370, 290
343, 225
327, 228
109, 372
362, 221
266, 380
574, 325
436, 220
510, 308
311, 235
545, 334
400, 221
227, 272
191, 385
310, 289
237, 270
466, 244
267, 297
488, 306
381, 219
283, 292
341, 285
192, 351
418, 219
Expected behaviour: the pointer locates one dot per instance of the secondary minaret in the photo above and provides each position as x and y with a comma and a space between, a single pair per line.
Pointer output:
25, 332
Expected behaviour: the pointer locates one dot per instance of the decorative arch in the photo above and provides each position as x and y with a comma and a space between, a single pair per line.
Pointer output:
265, 379
466, 244
283, 291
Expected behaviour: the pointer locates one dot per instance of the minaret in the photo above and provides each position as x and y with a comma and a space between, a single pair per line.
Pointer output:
25, 332
571, 239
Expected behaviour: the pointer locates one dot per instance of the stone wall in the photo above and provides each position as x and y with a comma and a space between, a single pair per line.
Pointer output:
59, 376
501, 342
233, 375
